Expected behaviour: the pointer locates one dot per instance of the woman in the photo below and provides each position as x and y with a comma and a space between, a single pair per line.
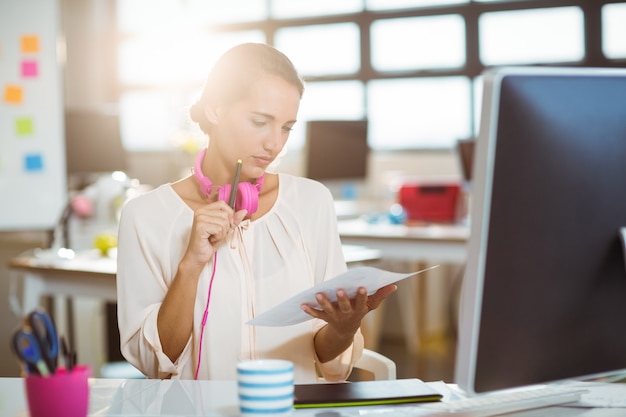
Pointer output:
192, 270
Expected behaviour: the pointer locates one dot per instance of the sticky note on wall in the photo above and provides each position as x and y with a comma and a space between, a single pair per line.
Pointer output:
24, 126
30, 44
33, 162
13, 94
30, 68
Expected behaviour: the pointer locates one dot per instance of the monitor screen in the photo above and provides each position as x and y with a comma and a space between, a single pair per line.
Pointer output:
93, 141
544, 290
336, 150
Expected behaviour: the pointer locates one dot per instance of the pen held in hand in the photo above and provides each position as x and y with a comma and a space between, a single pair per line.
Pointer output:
233, 188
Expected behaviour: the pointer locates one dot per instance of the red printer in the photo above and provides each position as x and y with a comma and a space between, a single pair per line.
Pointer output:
430, 202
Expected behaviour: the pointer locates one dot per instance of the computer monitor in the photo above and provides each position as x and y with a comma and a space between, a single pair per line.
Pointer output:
544, 291
465, 151
336, 149
336, 153
93, 141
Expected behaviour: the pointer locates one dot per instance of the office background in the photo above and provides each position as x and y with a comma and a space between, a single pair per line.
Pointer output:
411, 67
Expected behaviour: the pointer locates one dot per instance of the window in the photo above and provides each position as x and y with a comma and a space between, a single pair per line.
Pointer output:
532, 36
161, 77
282, 9
400, 4
412, 67
418, 43
212, 12
418, 112
328, 100
322, 49
614, 30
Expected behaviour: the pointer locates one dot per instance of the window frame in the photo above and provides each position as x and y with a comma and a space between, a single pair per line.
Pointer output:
470, 12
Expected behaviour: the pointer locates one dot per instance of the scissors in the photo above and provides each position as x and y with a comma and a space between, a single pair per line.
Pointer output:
26, 346
37, 343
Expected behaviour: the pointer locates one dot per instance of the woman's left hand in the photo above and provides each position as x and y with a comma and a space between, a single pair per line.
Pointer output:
344, 316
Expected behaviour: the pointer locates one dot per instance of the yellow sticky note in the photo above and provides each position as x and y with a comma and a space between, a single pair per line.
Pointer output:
13, 94
30, 44
24, 126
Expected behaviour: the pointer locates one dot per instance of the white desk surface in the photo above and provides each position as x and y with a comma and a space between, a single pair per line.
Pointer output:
92, 275
96, 265
445, 243
427, 232
150, 397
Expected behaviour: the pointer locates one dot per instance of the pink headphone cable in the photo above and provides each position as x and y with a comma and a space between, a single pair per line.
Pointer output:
206, 314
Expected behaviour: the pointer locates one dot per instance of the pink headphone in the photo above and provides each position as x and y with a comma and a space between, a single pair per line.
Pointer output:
247, 193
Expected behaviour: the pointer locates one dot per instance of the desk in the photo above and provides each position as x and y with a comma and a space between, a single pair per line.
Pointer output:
150, 397
91, 275
436, 243
86, 275
428, 244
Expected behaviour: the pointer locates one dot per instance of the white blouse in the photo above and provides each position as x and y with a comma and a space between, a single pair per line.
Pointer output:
289, 249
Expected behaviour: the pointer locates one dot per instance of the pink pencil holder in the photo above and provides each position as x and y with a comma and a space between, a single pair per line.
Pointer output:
64, 394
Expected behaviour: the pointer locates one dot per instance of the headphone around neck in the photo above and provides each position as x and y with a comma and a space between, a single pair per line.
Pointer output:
247, 193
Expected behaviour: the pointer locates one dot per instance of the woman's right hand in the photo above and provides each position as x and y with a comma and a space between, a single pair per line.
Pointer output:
212, 224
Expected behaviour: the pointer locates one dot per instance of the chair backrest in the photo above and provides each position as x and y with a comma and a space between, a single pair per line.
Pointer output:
379, 365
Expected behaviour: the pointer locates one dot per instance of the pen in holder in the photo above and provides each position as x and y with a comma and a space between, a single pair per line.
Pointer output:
51, 391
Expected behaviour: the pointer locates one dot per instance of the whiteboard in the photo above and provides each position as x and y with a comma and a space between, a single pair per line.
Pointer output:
33, 184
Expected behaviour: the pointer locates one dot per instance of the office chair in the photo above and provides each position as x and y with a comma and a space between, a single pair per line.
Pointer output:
379, 365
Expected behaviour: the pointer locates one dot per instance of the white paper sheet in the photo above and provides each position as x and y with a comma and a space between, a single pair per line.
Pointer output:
289, 312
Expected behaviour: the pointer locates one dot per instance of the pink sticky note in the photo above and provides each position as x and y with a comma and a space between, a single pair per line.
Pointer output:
30, 68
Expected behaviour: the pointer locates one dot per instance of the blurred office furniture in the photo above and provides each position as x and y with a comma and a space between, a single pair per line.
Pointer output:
436, 243
161, 398
465, 152
421, 246
380, 366
89, 274
432, 201
336, 149
120, 370
93, 144
336, 153
92, 275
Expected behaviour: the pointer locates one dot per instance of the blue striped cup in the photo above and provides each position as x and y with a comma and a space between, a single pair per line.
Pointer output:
265, 387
